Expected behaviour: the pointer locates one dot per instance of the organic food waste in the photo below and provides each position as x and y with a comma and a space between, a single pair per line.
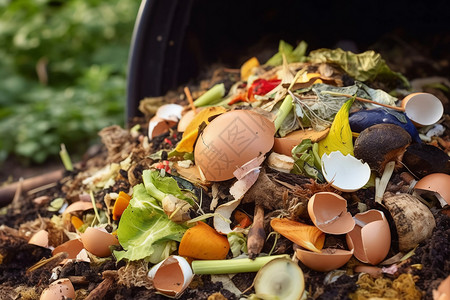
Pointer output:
320, 175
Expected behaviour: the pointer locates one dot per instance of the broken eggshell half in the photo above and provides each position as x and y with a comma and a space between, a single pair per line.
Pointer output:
345, 172
327, 260
60, 289
371, 238
423, 108
437, 183
171, 276
328, 211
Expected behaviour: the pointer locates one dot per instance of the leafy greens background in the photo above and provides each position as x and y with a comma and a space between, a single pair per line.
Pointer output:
83, 46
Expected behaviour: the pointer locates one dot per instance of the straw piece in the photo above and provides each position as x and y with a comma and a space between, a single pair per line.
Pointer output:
189, 97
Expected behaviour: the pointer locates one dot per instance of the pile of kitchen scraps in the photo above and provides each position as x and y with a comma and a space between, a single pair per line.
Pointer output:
299, 177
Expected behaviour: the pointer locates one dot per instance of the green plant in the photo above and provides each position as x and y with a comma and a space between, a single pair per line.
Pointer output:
80, 48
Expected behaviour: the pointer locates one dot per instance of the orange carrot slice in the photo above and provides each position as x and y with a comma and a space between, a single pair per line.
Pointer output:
76, 222
307, 236
203, 242
121, 203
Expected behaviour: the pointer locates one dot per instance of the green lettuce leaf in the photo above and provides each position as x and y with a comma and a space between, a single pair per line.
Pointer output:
366, 66
292, 55
238, 243
142, 225
307, 161
158, 186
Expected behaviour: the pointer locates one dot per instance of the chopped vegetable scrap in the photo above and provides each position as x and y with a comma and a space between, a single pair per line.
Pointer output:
284, 184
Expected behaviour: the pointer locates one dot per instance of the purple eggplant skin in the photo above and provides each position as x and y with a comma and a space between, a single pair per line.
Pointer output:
363, 119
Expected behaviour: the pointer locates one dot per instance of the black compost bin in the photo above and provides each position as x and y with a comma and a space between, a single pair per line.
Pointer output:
174, 40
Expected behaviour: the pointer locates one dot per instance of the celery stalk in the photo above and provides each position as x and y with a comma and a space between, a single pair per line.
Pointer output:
213, 95
284, 110
230, 266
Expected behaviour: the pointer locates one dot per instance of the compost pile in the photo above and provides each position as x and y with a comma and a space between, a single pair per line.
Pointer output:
321, 175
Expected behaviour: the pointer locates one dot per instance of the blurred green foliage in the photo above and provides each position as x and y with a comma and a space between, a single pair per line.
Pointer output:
82, 47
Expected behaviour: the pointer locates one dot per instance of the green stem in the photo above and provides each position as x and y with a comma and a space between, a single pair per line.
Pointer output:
65, 158
213, 95
284, 110
231, 266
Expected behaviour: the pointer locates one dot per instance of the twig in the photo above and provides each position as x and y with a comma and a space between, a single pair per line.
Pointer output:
190, 99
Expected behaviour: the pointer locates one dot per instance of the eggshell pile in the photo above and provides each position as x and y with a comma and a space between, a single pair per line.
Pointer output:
328, 211
171, 276
231, 140
438, 183
371, 243
60, 289
98, 241
345, 173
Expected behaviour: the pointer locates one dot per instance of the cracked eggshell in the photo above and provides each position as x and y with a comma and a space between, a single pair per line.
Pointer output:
423, 108
40, 238
158, 126
97, 241
438, 183
345, 173
327, 260
231, 140
171, 276
170, 112
60, 289
371, 243
328, 211
71, 247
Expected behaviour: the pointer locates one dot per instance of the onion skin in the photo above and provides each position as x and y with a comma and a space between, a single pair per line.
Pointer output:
363, 119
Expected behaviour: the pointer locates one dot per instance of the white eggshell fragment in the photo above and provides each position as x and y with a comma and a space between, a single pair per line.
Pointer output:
158, 126
345, 173
423, 108
171, 112
171, 276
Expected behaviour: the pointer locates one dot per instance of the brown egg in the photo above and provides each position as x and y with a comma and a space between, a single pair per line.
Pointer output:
60, 289
328, 211
439, 183
97, 241
231, 140
40, 238
72, 247
285, 144
371, 243
328, 259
